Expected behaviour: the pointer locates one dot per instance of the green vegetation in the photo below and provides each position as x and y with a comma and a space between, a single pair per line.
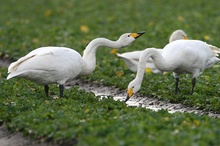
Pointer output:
81, 118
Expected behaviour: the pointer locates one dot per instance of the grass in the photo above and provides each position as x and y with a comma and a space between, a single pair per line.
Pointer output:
81, 119
84, 120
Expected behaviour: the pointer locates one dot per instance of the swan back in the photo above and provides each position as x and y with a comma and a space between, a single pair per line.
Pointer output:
48, 65
187, 49
189, 56
40, 51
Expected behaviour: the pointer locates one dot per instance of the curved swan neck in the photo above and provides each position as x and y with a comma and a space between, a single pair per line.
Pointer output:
159, 61
94, 44
89, 54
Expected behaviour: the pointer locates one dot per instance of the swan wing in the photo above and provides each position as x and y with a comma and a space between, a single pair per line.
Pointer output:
50, 51
131, 63
134, 55
131, 59
13, 66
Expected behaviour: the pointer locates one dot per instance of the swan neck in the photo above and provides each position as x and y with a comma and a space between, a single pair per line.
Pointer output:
89, 54
159, 61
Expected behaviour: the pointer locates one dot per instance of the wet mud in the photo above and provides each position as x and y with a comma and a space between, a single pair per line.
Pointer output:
137, 100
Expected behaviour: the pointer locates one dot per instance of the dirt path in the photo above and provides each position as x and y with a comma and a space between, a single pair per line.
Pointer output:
137, 100
8, 138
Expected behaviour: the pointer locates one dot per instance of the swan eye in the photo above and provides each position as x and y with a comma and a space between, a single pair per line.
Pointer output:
129, 35
133, 87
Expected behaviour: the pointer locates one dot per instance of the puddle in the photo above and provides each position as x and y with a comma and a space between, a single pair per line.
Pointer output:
137, 100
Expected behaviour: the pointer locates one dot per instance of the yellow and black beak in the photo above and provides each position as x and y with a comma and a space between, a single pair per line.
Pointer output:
136, 35
129, 94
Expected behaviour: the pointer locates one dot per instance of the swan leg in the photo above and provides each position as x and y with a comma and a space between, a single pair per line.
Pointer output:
177, 83
46, 89
61, 87
193, 85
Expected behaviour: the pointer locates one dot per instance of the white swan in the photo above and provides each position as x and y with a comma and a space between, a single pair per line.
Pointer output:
49, 65
181, 56
131, 58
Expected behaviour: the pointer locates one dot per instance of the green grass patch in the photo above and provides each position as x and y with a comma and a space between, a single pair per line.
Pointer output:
82, 119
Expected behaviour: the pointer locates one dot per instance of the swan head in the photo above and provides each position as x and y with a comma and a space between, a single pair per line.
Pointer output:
133, 87
178, 35
127, 38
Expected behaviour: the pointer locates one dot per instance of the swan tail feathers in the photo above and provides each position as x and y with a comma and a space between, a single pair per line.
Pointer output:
10, 76
13, 66
215, 50
15, 74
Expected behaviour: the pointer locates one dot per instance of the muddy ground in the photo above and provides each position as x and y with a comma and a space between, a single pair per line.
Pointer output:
136, 100
16, 139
